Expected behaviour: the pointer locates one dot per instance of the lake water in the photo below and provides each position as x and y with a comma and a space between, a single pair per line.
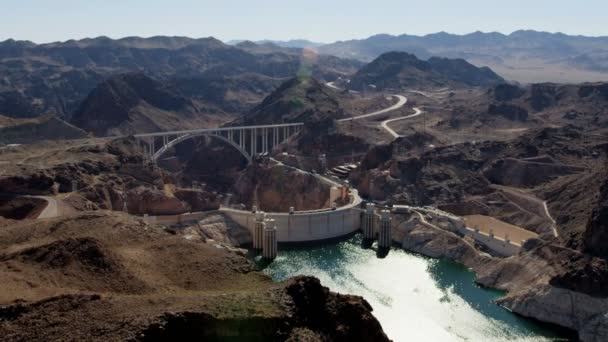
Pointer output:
415, 298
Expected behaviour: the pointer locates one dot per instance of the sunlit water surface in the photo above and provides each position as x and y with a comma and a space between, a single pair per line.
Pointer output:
414, 298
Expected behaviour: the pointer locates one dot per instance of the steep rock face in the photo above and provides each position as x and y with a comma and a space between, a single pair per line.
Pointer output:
596, 234
509, 111
396, 70
274, 188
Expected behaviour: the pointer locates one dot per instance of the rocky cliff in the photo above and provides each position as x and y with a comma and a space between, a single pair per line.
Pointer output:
274, 187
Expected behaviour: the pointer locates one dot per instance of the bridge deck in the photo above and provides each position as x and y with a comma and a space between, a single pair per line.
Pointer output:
217, 129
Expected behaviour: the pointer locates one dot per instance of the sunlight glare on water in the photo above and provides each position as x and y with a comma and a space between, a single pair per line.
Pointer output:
414, 298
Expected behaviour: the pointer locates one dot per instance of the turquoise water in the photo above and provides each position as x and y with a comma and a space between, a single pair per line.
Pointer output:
414, 298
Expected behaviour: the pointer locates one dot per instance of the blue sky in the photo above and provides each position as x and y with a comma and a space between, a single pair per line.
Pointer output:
319, 20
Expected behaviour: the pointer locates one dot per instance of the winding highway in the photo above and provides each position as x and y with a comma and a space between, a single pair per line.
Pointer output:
402, 100
384, 124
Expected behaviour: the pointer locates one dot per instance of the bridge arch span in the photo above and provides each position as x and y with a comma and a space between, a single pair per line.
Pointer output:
248, 140
179, 139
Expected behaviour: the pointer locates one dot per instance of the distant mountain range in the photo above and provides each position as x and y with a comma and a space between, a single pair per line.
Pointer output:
526, 56
293, 43
121, 86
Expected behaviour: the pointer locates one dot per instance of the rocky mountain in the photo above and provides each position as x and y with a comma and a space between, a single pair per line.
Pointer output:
397, 70
135, 103
577, 58
300, 99
54, 78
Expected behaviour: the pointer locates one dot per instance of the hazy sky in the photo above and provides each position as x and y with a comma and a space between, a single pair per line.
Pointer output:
319, 20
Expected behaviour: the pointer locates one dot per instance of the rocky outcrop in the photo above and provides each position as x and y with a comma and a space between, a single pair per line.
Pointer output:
569, 309
441, 176
154, 202
506, 92
339, 317
596, 234
221, 228
198, 200
526, 173
437, 243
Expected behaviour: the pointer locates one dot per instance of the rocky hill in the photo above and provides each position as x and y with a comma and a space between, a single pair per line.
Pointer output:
398, 70
92, 265
536, 105
134, 103
300, 99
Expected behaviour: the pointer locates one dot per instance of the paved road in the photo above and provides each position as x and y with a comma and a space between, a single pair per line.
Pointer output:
332, 85
402, 100
548, 214
385, 123
51, 210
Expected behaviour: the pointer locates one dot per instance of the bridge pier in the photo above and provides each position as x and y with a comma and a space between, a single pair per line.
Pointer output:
269, 250
264, 140
258, 232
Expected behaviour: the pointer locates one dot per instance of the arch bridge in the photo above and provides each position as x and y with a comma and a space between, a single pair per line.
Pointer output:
248, 140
